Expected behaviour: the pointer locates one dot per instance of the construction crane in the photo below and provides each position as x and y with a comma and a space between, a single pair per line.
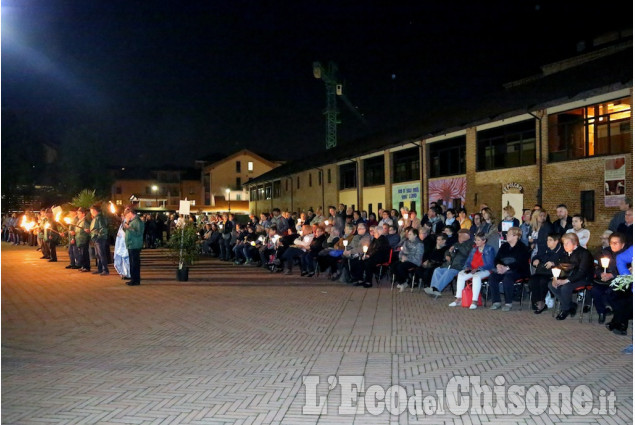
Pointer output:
333, 90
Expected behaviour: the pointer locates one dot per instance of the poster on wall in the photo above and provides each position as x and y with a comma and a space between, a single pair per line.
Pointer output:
447, 190
406, 194
614, 181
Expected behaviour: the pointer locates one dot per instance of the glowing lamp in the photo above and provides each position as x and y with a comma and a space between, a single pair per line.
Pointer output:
605, 262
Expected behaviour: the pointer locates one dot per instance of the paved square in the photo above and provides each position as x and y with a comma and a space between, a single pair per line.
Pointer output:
232, 347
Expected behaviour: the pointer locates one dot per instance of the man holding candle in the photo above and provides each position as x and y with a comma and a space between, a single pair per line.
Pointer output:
52, 236
82, 238
99, 236
72, 241
378, 252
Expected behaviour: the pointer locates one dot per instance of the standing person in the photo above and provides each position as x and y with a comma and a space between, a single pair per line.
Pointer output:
133, 227
46, 254
122, 260
577, 221
72, 242
564, 222
82, 238
99, 236
626, 228
52, 237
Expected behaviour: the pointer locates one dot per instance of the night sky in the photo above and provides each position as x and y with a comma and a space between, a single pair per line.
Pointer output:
173, 81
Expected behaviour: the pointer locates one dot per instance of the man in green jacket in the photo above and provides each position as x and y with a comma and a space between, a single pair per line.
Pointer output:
133, 226
99, 235
82, 238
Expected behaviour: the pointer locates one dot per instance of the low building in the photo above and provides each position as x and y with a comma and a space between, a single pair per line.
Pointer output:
563, 136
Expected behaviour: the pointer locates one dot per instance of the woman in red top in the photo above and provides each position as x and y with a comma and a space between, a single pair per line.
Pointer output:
478, 266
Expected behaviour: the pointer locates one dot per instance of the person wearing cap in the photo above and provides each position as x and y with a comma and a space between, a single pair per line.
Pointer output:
82, 238
133, 226
99, 236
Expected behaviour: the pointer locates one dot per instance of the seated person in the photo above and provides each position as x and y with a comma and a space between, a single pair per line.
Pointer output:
410, 257
622, 301
355, 247
455, 258
363, 267
579, 272
308, 259
330, 258
392, 235
543, 262
300, 246
432, 259
512, 263
451, 234
245, 237
451, 221
477, 267
603, 278
268, 248
464, 220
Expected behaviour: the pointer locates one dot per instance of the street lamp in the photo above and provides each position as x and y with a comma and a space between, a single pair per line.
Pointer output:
229, 204
155, 189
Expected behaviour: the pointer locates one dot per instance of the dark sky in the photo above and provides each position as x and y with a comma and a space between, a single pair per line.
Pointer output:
172, 81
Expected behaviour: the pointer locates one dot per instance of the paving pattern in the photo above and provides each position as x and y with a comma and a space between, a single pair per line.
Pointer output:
233, 345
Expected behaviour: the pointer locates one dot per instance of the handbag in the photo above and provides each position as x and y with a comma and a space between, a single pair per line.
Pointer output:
466, 296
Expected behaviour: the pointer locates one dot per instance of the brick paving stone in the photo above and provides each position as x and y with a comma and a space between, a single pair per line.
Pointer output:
232, 345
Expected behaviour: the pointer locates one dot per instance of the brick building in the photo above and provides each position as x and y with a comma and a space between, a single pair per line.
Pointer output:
562, 136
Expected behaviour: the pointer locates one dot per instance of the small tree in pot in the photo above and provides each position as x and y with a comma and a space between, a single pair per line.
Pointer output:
183, 249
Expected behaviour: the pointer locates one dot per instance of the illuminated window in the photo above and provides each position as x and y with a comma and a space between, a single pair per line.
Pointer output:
118, 202
600, 129
250, 166
193, 203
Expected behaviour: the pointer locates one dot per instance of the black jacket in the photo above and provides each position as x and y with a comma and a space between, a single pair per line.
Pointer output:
516, 258
580, 269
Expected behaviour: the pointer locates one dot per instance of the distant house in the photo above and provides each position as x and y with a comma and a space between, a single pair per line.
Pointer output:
223, 178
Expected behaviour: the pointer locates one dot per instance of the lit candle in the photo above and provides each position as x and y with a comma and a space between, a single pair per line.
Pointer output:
405, 216
345, 243
365, 249
112, 208
605, 262
326, 222
556, 272
400, 222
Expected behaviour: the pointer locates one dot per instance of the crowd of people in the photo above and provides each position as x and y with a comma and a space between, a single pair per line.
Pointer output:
477, 250
82, 230
484, 255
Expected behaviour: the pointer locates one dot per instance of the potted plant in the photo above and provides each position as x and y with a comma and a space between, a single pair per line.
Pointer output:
183, 249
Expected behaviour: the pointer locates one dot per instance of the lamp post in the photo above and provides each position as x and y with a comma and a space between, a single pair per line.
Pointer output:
229, 204
155, 189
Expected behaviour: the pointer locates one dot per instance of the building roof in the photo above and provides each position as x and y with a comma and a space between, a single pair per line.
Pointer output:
597, 75
243, 152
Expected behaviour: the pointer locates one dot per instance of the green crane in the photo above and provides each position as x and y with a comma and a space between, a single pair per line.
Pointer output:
333, 90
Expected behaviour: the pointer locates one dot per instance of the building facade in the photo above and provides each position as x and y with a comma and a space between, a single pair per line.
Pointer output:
562, 137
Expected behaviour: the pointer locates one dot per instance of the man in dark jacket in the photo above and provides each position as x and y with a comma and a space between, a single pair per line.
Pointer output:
579, 273
378, 253
564, 221
455, 259
134, 228
604, 276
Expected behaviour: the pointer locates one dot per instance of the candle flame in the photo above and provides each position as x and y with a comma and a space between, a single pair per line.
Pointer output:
57, 216
47, 225
112, 208
605, 261
67, 220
